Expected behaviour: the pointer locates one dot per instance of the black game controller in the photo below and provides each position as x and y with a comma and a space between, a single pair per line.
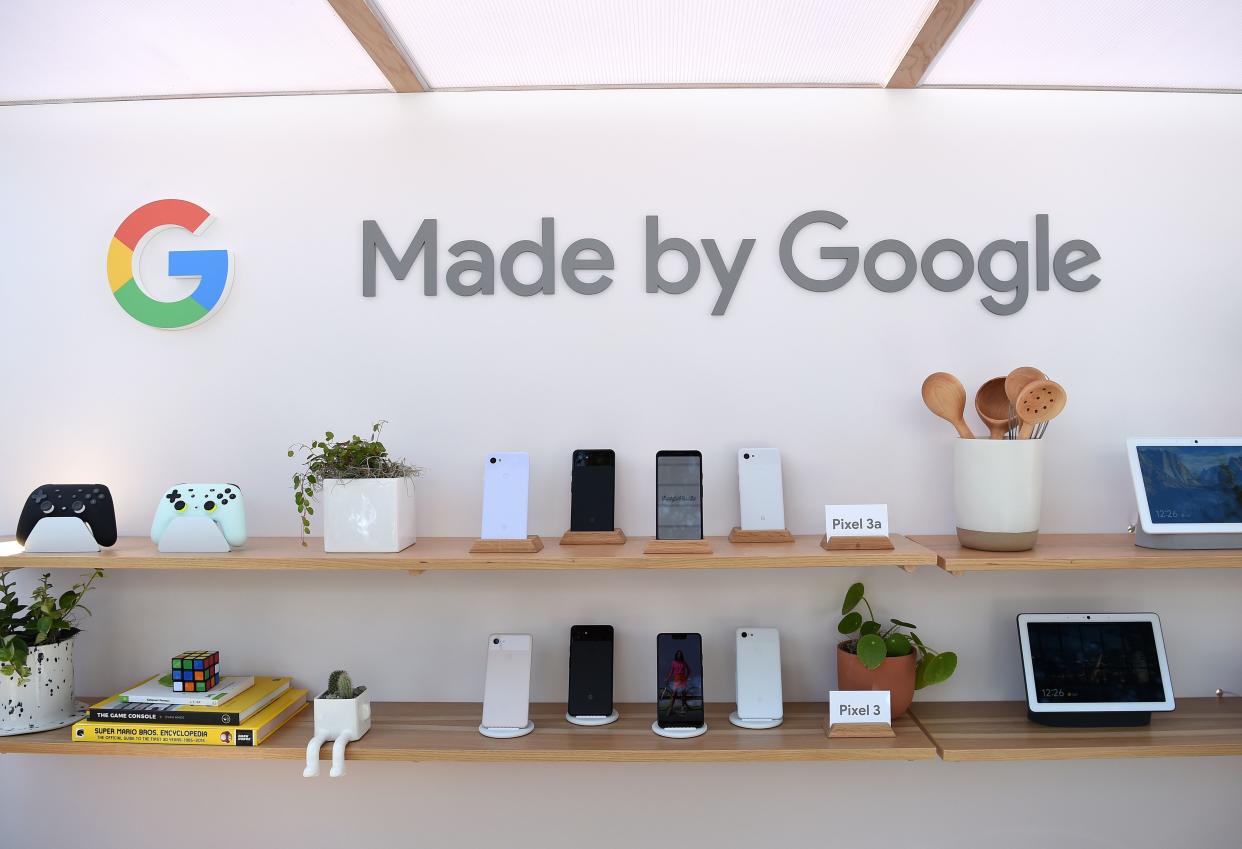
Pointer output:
90, 502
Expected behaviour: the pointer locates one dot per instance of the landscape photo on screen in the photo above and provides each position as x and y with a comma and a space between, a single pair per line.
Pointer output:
1192, 484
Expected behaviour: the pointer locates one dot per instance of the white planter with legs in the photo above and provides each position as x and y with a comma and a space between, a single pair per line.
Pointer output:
45, 701
342, 721
368, 514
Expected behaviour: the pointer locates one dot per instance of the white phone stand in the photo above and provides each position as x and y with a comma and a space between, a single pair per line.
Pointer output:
593, 721
192, 534
506, 733
754, 724
679, 733
61, 535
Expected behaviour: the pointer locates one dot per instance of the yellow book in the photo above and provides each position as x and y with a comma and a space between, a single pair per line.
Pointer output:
249, 733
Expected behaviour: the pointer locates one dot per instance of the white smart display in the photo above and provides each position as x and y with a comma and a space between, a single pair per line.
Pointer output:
1189, 485
1091, 663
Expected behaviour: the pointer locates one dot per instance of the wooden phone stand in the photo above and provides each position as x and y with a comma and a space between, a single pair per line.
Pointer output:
739, 535
678, 546
856, 544
614, 537
856, 730
530, 545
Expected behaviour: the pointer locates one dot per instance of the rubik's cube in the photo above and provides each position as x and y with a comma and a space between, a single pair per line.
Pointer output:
195, 671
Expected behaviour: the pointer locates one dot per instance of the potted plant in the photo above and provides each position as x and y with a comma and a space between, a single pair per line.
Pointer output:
36, 655
342, 714
879, 658
368, 496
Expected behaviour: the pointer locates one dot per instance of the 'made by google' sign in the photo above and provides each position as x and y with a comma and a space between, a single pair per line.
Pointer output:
585, 263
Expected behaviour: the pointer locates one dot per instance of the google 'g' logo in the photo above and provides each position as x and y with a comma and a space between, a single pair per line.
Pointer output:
213, 268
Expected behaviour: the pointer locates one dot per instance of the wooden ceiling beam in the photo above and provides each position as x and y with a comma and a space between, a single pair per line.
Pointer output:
379, 43
937, 29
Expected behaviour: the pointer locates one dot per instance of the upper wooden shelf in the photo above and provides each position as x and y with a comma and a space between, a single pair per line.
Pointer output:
453, 554
1073, 551
998, 731
447, 731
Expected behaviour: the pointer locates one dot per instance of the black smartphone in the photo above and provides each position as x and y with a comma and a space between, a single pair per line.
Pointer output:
592, 486
679, 495
679, 680
590, 670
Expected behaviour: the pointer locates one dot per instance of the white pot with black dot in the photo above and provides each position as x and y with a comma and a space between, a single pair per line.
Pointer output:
45, 701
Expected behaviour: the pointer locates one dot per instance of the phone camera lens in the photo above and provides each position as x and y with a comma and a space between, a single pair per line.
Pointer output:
495, 641
745, 456
493, 460
744, 635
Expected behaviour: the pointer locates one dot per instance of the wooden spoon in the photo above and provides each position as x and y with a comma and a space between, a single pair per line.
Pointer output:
1017, 381
945, 396
992, 405
1041, 401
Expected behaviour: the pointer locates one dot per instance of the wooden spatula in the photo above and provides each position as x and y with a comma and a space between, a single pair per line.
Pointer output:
1040, 402
945, 396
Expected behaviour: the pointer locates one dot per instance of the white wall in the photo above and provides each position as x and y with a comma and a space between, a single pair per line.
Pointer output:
832, 379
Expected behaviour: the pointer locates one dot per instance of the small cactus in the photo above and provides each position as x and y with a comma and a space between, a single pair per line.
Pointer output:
340, 686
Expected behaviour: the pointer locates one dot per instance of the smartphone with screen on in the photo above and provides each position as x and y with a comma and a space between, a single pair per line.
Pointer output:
679, 495
592, 490
590, 670
679, 680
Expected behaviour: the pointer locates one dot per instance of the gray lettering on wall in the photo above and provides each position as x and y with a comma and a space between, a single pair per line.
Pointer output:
657, 248
585, 263
815, 284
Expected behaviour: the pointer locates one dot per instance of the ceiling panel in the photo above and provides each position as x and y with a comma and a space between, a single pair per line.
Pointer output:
1095, 43
65, 49
508, 43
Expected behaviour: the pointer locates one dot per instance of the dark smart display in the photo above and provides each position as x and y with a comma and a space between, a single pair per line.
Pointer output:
679, 495
1085, 662
679, 680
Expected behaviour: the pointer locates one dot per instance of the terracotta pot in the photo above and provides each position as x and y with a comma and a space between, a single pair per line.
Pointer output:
896, 674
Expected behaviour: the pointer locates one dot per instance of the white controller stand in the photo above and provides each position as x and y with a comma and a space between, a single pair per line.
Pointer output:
61, 535
678, 733
754, 724
506, 733
593, 721
192, 534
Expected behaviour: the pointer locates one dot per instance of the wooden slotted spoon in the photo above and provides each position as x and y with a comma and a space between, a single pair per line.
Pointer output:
1040, 402
945, 396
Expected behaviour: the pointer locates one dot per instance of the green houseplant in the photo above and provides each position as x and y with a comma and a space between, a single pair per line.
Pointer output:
886, 657
368, 495
36, 653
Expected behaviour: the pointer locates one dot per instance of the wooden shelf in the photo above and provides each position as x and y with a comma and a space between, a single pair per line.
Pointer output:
1074, 551
447, 731
453, 554
1000, 731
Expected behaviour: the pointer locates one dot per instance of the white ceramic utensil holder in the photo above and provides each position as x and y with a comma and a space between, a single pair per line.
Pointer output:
368, 514
342, 721
997, 490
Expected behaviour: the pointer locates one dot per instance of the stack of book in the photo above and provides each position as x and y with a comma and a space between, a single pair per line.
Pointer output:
241, 710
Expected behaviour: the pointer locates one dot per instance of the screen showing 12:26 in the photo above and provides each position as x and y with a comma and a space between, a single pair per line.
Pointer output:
1084, 662
1192, 484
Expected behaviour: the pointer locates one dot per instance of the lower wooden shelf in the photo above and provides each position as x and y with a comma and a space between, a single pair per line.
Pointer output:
1000, 731
448, 731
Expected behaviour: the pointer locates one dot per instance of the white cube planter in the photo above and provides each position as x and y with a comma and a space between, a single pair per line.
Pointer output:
368, 514
341, 721
45, 701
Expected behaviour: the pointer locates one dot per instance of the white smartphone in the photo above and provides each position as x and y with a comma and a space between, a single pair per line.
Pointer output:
506, 489
761, 489
506, 690
759, 674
